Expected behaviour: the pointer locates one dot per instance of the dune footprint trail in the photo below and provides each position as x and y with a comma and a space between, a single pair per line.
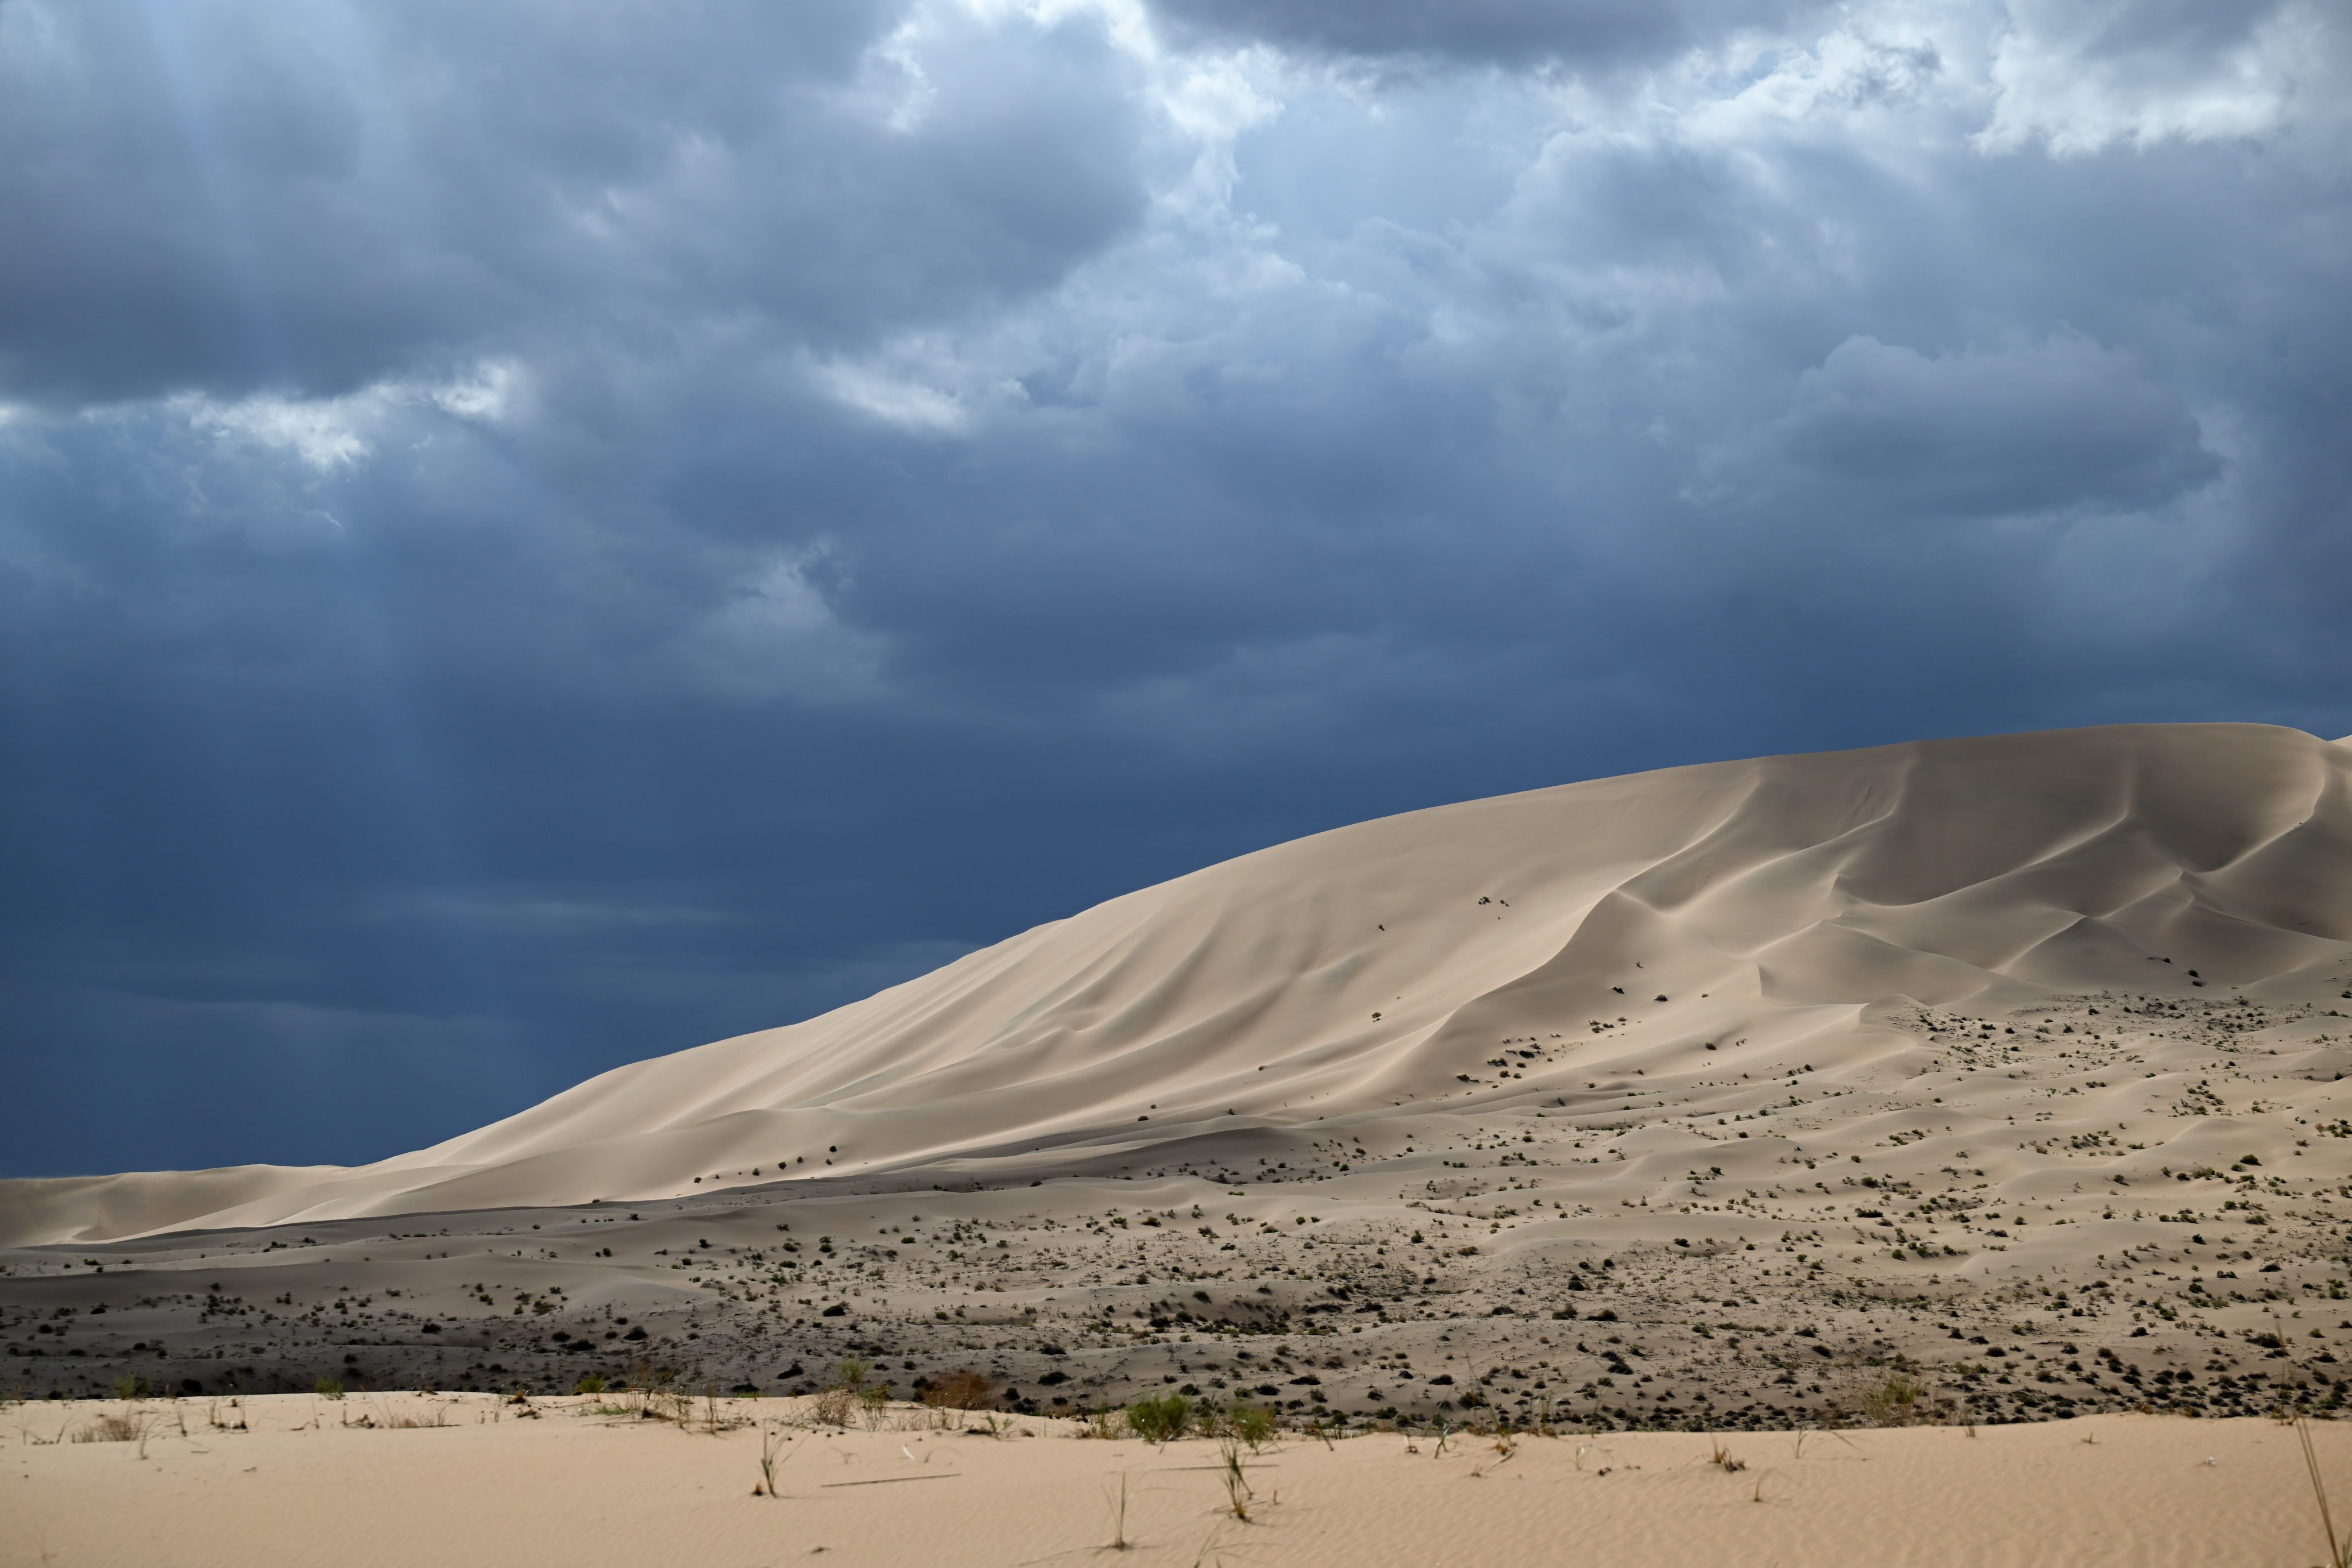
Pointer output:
1611, 1035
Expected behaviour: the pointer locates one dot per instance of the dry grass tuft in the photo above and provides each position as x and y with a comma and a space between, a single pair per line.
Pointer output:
1238, 1492
2340, 1548
400, 1422
772, 1444
847, 1393
124, 1427
1118, 1541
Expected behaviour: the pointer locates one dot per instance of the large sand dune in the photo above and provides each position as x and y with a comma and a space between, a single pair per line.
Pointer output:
2013, 1068
1706, 928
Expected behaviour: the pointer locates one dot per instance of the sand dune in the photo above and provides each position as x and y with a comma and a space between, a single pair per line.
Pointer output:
2005, 1075
1775, 913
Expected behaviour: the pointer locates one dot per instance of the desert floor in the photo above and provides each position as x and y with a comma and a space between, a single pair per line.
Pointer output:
292, 1479
2112, 1202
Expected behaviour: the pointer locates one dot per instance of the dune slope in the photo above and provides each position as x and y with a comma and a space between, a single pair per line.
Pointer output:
1533, 948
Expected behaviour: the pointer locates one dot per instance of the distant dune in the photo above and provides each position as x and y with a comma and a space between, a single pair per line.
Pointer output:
1500, 953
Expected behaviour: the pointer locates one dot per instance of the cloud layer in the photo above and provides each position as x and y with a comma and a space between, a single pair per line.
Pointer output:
527, 541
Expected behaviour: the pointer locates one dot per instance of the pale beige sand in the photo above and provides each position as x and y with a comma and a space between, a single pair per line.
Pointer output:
570, 1487
1696, 933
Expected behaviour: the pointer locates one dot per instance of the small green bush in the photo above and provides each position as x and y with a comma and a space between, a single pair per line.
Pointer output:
1252, 1425
591, 1384
1896, 1402
1160, 1420
328, 1388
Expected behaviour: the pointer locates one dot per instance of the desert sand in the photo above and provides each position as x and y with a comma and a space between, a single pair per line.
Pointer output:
294, 1481
1973, 1082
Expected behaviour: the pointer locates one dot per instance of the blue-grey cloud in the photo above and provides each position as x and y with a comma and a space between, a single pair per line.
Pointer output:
2033, 429
311, 198
1519, 32
527, 539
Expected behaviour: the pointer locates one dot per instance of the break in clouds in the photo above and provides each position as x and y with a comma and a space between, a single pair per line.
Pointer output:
530, 538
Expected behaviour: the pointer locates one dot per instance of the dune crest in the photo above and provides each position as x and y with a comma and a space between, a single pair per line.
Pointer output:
1789, 910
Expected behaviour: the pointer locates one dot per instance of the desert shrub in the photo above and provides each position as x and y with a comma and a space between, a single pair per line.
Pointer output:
1160, 1420
1252, 1425
834, 1406
132, 1388
591, 1384
960, 1390
1893, 1402
328, 1388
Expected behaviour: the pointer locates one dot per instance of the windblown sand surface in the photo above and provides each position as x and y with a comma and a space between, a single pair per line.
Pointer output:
1711, 1096
568, 1486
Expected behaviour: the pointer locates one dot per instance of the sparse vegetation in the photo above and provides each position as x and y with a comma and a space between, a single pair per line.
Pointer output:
1238, 1492
2340, 1548
873, 1405
1894, 1401
438, 1415
774, 1447
842, 1398
1253, 1424
1160, 1420
963, 1389
1118, 1541
115, 1427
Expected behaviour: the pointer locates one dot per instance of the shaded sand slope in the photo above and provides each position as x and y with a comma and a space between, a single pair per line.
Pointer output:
1532, 948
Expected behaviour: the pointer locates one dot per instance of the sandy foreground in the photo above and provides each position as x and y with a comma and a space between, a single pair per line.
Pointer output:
305, 1481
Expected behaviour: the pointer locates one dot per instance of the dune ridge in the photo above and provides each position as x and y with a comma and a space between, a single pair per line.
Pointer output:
1790, 903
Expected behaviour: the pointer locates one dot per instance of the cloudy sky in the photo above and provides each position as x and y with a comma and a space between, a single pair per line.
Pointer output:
534, 536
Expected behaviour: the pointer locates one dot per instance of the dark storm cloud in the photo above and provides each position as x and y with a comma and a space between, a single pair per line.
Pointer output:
530, 538
2042, 427
308, 197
